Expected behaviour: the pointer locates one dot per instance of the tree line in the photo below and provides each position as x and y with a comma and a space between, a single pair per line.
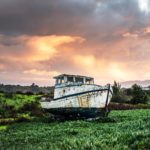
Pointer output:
29, 90
133, 95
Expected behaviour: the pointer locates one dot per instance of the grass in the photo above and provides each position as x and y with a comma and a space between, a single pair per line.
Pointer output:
17, 100
3, 127
14, 105
128, 129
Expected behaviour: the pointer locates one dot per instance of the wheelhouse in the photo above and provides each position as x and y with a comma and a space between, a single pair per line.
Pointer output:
73, 79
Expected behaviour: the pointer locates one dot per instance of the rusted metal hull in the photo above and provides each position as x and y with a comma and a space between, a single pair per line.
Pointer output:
93, 99
90, 103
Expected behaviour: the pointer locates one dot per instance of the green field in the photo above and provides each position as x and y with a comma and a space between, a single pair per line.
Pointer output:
128, 129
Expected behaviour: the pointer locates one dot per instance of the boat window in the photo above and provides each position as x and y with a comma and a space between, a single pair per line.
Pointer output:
79, 80
91, 81
60, 81
87, 81
56, 82
70, 79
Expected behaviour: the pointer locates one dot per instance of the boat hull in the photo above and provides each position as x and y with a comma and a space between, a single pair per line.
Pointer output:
79, 112
88, 103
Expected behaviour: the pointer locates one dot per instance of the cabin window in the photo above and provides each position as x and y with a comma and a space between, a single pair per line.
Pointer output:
87, 81
79, 80
59, 81
70, 79
92, 81
62, 81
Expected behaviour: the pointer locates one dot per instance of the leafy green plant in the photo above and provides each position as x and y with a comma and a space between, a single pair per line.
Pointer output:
12, 104
139, 96
121, 130
119, 94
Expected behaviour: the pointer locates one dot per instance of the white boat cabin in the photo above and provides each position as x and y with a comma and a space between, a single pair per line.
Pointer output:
72, 84
64, 79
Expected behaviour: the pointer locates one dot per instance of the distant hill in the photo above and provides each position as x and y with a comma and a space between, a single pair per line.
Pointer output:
25, 89
144, 83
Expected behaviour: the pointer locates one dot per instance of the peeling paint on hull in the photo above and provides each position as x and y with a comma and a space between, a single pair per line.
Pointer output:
91, 100
88, 105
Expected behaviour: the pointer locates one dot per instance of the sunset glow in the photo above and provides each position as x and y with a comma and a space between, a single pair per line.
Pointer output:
108, 40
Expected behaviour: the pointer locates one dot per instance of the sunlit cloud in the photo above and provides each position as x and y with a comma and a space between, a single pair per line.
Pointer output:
130, 35
87, 61
2, 67
33, 50
147, 30
41, 72
119, 72
144, 5
36, 48
103, 69
45, 47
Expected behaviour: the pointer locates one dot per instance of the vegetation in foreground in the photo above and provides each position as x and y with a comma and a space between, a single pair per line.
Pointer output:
14, 105
23, 125
128, 129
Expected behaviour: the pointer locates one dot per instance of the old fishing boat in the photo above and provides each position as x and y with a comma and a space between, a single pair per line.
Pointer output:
76, 95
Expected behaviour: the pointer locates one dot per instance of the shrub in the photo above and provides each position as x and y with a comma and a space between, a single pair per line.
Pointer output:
7, 111
120, 98
118, 94
121, 106
116, 88
139, 96
32, 107
29, 93
41, 93
19, 92
9, 95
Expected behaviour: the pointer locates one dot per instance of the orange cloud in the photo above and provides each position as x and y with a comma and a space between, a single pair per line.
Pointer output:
147, 30
2, 67
130, 35
121, 60
103, 69
41, 72
45, 47
37, 48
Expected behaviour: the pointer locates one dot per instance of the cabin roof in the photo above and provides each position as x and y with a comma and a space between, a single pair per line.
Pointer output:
68, 75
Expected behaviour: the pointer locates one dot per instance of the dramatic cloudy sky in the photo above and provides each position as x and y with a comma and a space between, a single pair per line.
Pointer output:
106, 39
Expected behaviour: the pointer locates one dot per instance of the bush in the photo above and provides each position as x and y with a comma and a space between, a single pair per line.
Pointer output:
9, 95
128, 91
29, 93
14, 104
7, 111
32, 107
121, 106
139, 96
116, 88
41, 93
19, 92
118, 94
